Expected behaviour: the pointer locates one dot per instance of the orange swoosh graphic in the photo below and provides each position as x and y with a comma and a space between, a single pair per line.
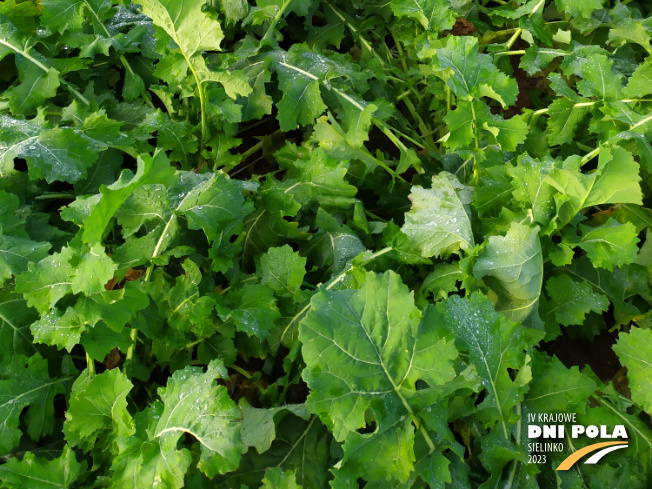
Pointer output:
571, 459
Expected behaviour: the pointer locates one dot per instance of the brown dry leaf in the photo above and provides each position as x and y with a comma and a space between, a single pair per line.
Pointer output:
112, 359
133, 274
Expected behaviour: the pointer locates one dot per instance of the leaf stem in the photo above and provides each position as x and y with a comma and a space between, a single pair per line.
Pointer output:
347, 21
251, 150
134, 339
272, 26
90, 364
513, 39
241, 371
510, 53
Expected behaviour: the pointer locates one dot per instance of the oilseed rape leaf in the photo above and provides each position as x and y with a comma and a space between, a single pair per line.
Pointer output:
212, 203
633, 350
253, 310
640, 83
570, 301
98, 403
616, 180
433, 15
512, 267
277, 478
609, 245
381, 347
93, 270
51, 154
579, 8
15, 318
469, 73
190, 28
259, 425
282, 269
150, 170
16, 253
439, 221
195, 405
495, 345
26, 382
34, 472
143, 463
302, 102
48, 280
565, 117
557, 388
316, 178
55, 328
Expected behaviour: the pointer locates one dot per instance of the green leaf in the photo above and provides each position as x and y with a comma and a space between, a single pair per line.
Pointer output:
579, 7
277, 478
26, 382
195, 405
98, 403
618, 286
114, 307
47, 281
316, 178
555, 388
630, 31
99, 340
433, 15
439, 221
495, 345
532, 188
52, 154
93, 271
33, 472
614, 181
259, 425
494, 191
302, 446
565, 117
599, 78
11, 223
512, 267
16, 253
570, 301
508, 134
63, 15
253, 310
301, 103
609, 245
212, 203
62, 330
171, 135
536, 59
186, 24
258, 104
37, 85
144, 464
640, 83
15, 318
470, 74
634, 350
283, 270
150, 170
364, 350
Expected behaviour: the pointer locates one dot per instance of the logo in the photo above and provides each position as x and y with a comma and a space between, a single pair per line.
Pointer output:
561, 429
594, 459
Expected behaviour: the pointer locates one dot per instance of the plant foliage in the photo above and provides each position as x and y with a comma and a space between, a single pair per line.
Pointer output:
302, 244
